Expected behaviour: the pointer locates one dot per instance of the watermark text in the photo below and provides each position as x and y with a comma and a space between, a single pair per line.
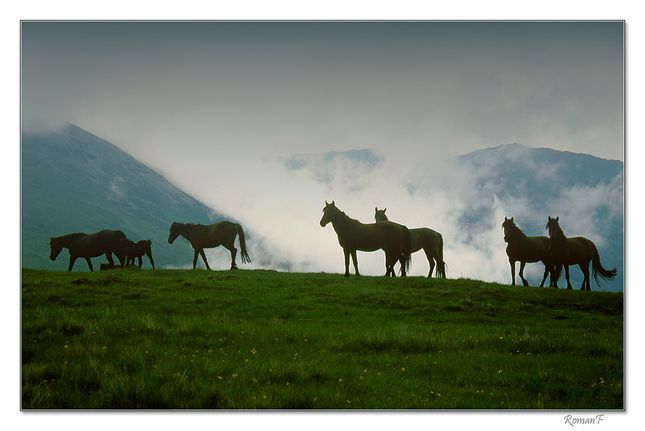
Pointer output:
573, 420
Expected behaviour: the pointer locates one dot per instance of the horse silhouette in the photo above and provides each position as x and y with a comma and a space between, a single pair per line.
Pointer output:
135, 250
210, 236
575, 251
353, 235
89, 245
423, 238
525, 249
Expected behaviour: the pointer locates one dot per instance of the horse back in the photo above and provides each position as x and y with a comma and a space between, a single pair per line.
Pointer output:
581, 249
530, 249
424, 237
214, 235
372, 236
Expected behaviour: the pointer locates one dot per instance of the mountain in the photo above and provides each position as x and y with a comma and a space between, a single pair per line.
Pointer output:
468, 196
586, 192
73, 181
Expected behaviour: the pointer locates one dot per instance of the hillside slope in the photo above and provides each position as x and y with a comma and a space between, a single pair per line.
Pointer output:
73, 181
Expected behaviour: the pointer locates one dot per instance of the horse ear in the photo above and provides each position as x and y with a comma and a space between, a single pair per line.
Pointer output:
511, 218
557, 218
375, 208
326, 203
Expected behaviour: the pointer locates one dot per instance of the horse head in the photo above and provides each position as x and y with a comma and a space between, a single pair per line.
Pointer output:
553, 226
379, 215
328, 212
56, 248
174, 232
508, 226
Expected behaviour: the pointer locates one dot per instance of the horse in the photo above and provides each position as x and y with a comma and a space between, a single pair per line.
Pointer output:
525, 249
423, 238
135, 250
394, 239
575, 251
89, 245
209, 236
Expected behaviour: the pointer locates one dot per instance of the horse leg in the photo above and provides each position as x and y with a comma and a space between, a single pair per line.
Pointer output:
355, 260
566, 273
109, 259
512, 262
546, 273
524, 282
204, 257
233, 251
389, 266
152, 262
346, 254
72, 259
586, 282
140, 261
89, 263
430, 262
195, 258
402, 261
554, 271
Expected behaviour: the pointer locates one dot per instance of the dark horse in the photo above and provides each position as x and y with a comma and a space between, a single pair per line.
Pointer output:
133, 250
89, 245
525, 249
353, 235
423, 238
209, 236
575, 251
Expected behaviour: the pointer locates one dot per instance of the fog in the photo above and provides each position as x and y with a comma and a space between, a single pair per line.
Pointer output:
220, 108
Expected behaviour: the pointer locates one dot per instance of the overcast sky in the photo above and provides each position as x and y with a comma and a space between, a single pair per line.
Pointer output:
218, 106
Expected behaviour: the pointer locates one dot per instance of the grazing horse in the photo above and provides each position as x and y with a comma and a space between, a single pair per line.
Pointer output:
209, 236
135, 250
525, 249
353, 235
89, 245
575, 251
423, 238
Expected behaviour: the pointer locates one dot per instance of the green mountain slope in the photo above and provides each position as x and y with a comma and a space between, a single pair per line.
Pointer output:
73, 181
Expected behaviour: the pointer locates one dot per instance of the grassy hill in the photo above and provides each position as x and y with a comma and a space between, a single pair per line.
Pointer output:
167, 339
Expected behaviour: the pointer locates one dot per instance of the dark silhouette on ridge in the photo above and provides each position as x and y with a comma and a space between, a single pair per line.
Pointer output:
89, 245
575, 251
353, 235
525, 249
424, 238
133, 250
210, 236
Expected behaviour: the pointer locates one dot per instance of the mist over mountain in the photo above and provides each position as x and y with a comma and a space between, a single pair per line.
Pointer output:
73, 181
467, 197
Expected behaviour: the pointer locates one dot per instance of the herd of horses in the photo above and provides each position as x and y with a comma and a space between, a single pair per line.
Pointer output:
110, 242
396, 240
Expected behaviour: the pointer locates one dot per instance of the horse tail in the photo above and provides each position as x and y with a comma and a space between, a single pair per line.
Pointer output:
441, 265
599, 271
244, 253
407, 249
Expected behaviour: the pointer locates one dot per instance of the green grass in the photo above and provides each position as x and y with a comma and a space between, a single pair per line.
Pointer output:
170, 339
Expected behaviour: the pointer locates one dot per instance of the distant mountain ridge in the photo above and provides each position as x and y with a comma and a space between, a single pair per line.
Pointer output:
529, 183
73, 181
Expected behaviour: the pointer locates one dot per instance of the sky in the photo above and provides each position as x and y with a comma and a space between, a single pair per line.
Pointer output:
217, 107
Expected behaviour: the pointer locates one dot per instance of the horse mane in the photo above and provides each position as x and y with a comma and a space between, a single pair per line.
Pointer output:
68, 236
513, 225
559, 233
